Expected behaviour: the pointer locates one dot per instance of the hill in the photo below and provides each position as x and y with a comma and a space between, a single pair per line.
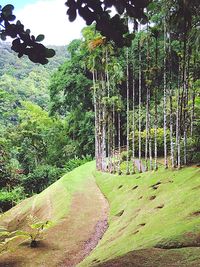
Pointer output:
153, 220
23, 80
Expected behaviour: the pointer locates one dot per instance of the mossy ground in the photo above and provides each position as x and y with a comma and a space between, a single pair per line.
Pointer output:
154, 209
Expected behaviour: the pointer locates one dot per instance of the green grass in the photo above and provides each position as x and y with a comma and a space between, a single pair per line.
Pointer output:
166, 221
60, 192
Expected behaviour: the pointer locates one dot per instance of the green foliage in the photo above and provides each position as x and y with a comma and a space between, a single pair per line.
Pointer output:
35, 233
76, 162
40, 178
124, 155
10, 198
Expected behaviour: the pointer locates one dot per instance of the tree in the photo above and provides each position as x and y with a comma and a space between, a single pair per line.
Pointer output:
23, 43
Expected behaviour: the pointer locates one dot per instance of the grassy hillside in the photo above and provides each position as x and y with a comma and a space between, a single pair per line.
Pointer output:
155, 209
67, 203
154, 220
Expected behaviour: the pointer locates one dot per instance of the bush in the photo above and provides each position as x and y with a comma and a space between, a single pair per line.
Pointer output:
76, 162
8, 199
124, 155
40, 178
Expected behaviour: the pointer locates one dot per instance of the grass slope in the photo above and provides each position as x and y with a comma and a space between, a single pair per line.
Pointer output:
67, 203
155, 209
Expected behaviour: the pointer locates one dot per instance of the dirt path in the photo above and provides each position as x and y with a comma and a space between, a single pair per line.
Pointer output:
89, 224
73, 238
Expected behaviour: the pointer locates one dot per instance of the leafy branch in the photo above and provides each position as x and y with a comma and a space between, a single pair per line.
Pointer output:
24, 43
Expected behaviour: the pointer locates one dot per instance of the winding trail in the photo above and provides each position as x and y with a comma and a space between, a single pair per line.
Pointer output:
86, 222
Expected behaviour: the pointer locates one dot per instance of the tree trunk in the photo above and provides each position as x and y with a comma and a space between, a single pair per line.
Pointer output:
113, 139
127, 112
171, 109
139, 104
165, 98
133, 119
156, 110
95, 115
104, 164
119, 143
178, 123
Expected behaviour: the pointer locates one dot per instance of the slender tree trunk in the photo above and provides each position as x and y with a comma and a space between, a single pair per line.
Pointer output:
104, 165
165, 98
113, 139
178, 123
119, 143
147, 131
185, 101
95, 114
156, 110
127, 112
109, 140
133, 119
192, 111
193, 97
139, 104
171, 109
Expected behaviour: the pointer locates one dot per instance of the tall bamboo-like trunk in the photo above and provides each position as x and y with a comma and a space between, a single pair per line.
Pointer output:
171, 109
165, 97
178, 148
113, 138
133, 118
100, 129
109, 140
139, 104
193, 97
95, 115
104, 164
119, 142
156, 110
192, 111
147, 131
185, 96
127, 112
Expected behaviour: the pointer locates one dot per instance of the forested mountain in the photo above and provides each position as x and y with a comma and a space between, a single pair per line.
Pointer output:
25, 80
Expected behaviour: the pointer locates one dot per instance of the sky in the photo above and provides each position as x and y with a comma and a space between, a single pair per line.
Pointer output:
47, 17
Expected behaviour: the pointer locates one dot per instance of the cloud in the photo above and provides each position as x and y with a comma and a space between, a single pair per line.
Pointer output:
49, 17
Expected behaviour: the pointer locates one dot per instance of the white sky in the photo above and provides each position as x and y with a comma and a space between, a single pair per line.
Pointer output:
49, 17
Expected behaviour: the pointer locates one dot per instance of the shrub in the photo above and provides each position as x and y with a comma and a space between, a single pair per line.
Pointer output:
8, 199
76, 162
124, 155
40, 178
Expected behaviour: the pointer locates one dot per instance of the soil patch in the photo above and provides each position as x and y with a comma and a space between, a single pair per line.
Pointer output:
135, 187
120, 213
152, 197
160, 206
196, 213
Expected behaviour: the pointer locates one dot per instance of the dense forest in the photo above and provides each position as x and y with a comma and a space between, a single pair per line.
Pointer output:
35, 147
